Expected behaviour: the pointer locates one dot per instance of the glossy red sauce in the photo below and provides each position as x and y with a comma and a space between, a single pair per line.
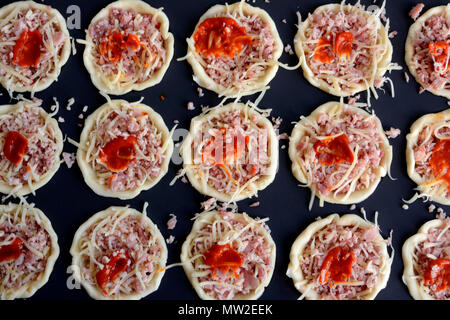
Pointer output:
221, 36
27, 50
333, 150
118, 153
337, 266
15, 147
118, 263
223, 258
11, 251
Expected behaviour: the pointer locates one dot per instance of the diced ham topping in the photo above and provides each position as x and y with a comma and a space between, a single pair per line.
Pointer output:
28, 235
325, 173
416, 10
250, 63
38, 157
427, 142
172, 222
129, 44
392, 133
231, 149
120, 236
430, 58
249, 257
341, 43
146, 157
31, 44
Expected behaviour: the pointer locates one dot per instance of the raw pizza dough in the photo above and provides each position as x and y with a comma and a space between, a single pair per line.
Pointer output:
115, 84
235, 10
53, 68
411, 278
85, 150
298, 134
212, 218
436, 192
23, 215
305, 286
81, 259
379, 64
192, 166
53, 138
410, 51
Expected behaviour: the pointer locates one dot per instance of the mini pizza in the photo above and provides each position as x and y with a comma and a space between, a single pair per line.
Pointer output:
340, 152
35, 44
125, 148
426, 260
344, 49
340, 258
128, 47
228, 256
119, 254
427, 51
428, 156
28, 250
30, 147
234, 50
231, 152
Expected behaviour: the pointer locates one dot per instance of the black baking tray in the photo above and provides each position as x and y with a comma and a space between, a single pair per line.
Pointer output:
68, 201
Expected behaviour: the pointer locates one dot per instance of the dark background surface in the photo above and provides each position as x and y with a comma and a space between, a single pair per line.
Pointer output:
68, 201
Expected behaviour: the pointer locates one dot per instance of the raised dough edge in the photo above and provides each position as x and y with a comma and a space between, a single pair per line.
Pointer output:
382, 64
416, 289
253, 188
205, 81
65, 50
101, 82
409, 48
5, 188
294, 271
31, 288
209, 217
95, 292
382, 170
89, 174
411, 140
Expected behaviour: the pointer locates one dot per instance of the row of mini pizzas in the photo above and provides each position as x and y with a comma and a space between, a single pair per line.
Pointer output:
119, 253
231, 152
234, 50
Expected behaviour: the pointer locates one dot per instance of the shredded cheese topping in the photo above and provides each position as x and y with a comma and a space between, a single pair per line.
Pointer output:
133, 66
43, 151
121, 231
126, 121
246, 236
16, 77
23, 222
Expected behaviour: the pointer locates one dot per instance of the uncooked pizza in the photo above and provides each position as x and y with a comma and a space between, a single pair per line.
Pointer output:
345, 49
234, 49
427, 50
35, 44
28, 250
340, 152
119, 254
340, 258
228, 256
125, 148
30, 147
428, 156
128, 47
426, 259
231, 152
